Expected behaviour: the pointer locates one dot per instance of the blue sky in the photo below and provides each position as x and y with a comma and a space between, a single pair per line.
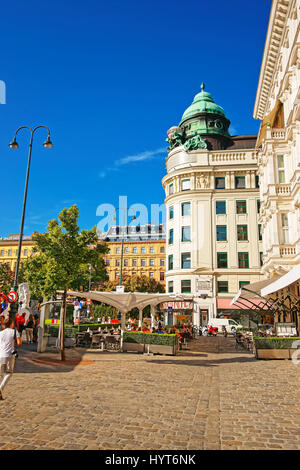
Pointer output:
109, 79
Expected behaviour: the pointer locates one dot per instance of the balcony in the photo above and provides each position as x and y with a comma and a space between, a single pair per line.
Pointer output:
287, 251
278, 190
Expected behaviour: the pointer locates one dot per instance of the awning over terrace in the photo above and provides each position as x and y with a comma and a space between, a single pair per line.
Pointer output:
283, 281
250, 296
128, 300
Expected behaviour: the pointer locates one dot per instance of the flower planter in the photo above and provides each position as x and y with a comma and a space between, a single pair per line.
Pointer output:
133, 347
273, 353
160, 349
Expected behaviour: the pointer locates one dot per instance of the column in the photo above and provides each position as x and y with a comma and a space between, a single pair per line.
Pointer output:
140, 317
152, 311
42, 339
123, 321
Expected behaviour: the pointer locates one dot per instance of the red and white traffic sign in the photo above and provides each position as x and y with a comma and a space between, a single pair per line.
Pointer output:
12, 296
88, 301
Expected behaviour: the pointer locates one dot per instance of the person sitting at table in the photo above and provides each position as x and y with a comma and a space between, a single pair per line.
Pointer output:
160, 331
154, 330
145, 329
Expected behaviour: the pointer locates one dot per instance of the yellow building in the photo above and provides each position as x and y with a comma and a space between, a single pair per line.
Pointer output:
143, 252
9, 249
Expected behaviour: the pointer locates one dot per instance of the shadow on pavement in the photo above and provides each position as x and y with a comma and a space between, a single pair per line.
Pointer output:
204, 363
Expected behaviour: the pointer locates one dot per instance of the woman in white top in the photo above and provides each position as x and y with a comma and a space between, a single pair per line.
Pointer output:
8, 337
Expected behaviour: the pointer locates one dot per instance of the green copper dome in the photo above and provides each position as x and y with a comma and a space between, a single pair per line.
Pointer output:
203, 103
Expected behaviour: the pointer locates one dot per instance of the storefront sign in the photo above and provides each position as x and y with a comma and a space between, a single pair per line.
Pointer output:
177, 305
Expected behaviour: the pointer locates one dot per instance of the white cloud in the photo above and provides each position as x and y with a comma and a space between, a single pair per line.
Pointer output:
139, 157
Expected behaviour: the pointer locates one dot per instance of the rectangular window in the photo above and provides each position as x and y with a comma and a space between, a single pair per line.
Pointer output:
134, 262
185, 260
261, 258
151, 274
242, 232
185, 185
143, 250
170, 262
25, 252
243, 260
243, 283
185, 287
151, 249
126, 251
222, 286
171, 189
220, 207
186, 234
151, 262
171, 232
117, 262
285, 227
125, 262
280, 169
143, 262
221, 233
162, 261
258, 206
219, 182
117, 275
134, 250
185, 208
107, 262
257, 181
2, 253
240, 182
171, 212
161, 276
241, 207
118, 251
162, 249
222, 260
170, 286
259, 232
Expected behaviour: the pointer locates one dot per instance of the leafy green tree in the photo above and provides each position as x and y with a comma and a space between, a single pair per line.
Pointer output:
135, 284
6, 278
62, 257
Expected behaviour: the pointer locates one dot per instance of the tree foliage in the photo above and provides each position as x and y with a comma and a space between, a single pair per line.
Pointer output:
61, 257
6, 278
135, 284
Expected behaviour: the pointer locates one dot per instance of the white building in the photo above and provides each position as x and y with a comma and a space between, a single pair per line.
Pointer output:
212, 203
277, 104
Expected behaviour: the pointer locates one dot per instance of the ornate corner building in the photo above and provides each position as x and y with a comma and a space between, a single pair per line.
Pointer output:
213, 237
277, 105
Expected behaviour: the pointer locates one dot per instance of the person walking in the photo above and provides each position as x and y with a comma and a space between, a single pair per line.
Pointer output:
8, 337
29, 329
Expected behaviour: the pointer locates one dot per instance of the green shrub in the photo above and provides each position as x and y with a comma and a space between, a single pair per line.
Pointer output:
149, 338
274, 342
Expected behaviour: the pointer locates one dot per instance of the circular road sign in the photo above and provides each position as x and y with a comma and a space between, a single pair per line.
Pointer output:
12, 296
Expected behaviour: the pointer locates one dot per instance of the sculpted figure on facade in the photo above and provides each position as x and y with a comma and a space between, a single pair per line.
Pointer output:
201, 182
175, 137
195, 143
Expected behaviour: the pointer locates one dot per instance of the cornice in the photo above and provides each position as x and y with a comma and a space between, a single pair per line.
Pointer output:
275, 33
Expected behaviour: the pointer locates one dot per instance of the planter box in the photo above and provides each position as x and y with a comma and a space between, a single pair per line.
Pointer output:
159, 349
273, 353
136, 347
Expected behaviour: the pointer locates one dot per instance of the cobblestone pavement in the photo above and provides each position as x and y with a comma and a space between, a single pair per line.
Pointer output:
211, 396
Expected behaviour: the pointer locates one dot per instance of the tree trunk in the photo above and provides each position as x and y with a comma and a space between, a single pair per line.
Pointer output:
62, 325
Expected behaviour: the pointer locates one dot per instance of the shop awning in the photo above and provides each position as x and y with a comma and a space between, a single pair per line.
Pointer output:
226, 303
282, 282
250, 296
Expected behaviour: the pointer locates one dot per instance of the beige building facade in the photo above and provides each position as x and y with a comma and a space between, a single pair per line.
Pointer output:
9, 249
277, 105
213, 237
144, 252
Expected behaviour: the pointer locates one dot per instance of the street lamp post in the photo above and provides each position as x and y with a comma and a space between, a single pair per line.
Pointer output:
14, 145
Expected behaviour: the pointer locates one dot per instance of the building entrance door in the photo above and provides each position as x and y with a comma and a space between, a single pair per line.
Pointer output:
203, 317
